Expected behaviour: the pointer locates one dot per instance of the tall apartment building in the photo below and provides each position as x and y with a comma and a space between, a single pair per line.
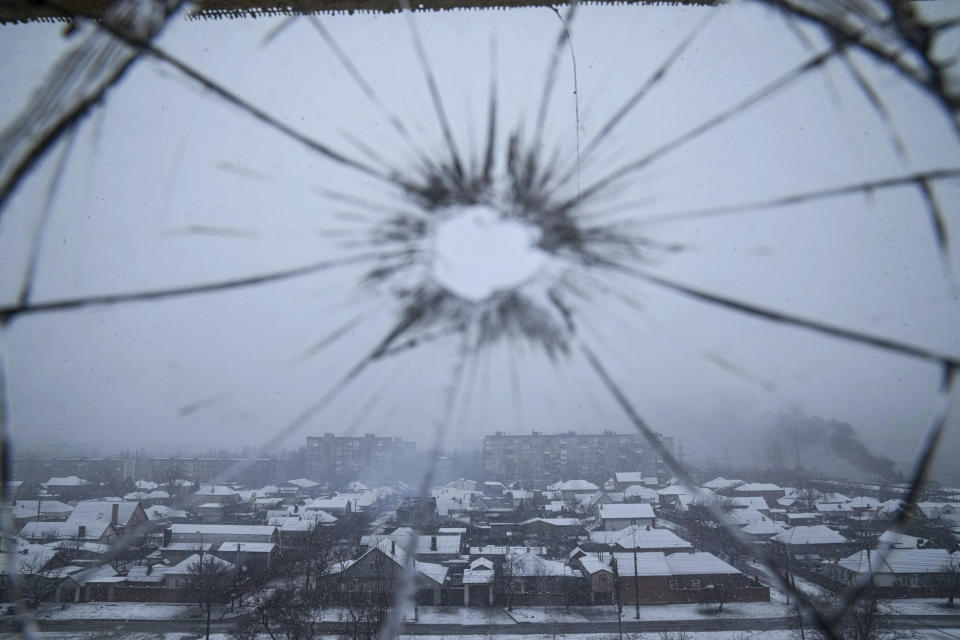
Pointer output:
543, 458
370, 458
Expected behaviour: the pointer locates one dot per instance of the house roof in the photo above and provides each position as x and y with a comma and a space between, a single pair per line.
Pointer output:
292, 523
61, 531
898, 561
556, 522
435, 572
246, 547
28, 508
161, 512
754, 502
304, 483
759, 486
639, 537
814, 534
764, 527
188, 566
697, 563
625, 511
496, 550
214, 490
529, 564
222, 529
640, 491
722, 483
673, 564
97, 513
446, 544
899, 540
633, 477
863, 502
66, 481
574, 485
145, 485
676, 490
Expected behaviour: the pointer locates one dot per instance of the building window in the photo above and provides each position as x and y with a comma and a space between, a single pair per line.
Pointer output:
695, 583
674, 585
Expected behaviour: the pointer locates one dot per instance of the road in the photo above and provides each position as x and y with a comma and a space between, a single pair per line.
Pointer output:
652, 626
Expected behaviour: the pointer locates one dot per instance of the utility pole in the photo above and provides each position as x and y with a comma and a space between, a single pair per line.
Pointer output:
636, 577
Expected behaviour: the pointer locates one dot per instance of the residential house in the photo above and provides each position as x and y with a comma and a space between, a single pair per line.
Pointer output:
639, 537
658, 578
373, 573
478, 581
769, 492
905, 573
528, 579
812, 543
613, 517
624, 479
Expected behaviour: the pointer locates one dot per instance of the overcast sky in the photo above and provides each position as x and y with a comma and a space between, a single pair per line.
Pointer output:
167, 185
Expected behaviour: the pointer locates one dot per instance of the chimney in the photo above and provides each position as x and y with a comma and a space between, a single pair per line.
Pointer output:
393, 547
114, 514
82, 531
433, 543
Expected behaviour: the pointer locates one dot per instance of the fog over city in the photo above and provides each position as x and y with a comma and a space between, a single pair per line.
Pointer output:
165, 185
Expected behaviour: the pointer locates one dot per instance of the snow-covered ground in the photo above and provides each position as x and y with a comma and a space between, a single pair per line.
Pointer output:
120, 611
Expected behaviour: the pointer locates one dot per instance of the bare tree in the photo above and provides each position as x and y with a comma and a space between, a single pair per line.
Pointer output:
283, 614
210, 581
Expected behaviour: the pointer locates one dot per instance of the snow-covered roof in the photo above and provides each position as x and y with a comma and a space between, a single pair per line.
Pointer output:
722, 483
758, 486
574, 485
188, 546
898, 561
96, 514
452, 531
445, 544
30, 558
66, 481
557, 522
161, 512
292, 523
526, 563
60, 531
101, 573
640, 491
639, 537
899, 540
863, 502
763, 527
215, 490
222, 529
497, 550
435, 572
625, 511
28, 508
246, 547
751, 502
633, 477
697, 563
190, 565
304, 483
319, 516
676, 490
145, 485
814, 534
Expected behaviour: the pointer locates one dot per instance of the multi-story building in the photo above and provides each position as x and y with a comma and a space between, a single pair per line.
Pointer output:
370, 458
539, 459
